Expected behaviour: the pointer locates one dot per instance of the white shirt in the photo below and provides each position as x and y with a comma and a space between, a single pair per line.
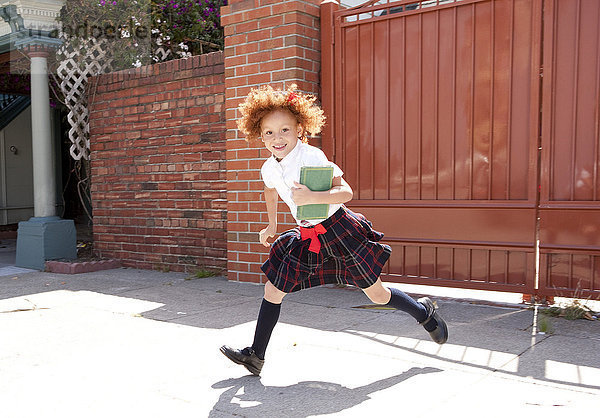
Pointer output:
281, 175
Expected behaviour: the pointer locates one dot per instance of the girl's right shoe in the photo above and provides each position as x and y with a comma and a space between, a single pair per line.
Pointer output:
440, 333
250, 361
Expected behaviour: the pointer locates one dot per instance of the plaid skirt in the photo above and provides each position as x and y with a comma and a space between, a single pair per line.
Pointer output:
350, 254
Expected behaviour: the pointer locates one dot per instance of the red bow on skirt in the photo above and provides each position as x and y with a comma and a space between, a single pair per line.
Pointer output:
312, 235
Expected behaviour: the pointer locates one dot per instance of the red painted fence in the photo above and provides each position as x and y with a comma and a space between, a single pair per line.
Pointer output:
458, 130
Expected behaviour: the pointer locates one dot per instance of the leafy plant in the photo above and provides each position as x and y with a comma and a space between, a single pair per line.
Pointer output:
136, 29
203, 273
544, 325
188, 27
124, 24
573, 310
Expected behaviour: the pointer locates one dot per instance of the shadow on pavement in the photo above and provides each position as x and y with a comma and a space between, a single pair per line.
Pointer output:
485, 337
247, 396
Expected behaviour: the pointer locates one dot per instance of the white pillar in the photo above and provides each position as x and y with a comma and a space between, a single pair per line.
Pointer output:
45, 236
44, 181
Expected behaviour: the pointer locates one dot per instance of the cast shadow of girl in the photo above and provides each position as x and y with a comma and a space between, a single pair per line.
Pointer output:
303, 399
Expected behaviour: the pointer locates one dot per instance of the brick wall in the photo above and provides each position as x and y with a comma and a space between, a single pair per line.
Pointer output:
157, 138
266, 42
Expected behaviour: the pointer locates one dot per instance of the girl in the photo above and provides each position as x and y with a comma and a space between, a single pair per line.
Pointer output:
342, 248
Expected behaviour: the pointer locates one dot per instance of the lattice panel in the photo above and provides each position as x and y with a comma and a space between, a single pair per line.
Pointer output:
78, 62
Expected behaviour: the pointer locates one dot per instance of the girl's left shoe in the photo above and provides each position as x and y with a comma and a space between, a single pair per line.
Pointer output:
250, 361
440, 333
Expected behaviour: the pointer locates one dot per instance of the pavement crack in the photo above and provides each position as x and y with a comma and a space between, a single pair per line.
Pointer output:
23, 310
33, 308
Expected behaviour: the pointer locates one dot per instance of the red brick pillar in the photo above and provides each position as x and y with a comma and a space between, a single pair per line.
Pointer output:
266, 42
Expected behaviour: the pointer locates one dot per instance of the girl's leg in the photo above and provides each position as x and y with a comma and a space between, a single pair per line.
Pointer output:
396, 298
272, 294
253, 358
267, 318
422, 310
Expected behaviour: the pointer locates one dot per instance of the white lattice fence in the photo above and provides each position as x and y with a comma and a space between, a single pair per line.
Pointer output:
78, 61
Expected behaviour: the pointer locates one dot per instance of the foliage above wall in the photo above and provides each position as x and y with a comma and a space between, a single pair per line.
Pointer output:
193, 23
145, 31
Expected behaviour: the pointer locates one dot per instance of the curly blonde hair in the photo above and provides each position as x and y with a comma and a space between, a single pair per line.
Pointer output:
265, 99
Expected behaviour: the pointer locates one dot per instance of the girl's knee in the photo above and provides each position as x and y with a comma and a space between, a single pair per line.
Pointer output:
272, 294
378, 293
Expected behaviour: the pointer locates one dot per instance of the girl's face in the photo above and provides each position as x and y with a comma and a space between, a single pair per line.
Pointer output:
280, 131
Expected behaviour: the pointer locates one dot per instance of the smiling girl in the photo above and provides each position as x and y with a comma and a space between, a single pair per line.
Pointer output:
341, 248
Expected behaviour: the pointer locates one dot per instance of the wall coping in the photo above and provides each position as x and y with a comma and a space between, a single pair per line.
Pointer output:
211, 59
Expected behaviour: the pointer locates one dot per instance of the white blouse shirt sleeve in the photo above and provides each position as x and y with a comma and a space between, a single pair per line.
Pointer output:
266, 173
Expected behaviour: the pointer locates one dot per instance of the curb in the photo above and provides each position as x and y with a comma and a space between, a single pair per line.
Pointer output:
74, 267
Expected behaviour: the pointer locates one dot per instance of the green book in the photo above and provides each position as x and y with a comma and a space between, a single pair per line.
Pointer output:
317, 179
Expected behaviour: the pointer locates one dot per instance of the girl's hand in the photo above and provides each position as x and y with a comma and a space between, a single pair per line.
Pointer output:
267, 233
301, 195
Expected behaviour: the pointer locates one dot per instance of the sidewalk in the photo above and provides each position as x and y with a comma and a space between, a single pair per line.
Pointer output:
134, 343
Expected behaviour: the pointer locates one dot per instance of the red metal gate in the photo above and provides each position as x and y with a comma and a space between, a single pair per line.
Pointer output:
434, 110
570, 163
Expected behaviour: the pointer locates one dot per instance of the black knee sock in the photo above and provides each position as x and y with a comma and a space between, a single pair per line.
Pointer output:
403, 302
267, 318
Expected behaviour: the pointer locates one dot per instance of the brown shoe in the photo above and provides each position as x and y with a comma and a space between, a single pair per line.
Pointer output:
440, 333
250, 362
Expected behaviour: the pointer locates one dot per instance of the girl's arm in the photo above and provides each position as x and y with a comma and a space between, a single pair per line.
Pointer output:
340, 192
271, 199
